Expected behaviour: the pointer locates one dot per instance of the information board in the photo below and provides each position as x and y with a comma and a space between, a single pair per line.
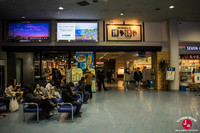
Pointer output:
170, 74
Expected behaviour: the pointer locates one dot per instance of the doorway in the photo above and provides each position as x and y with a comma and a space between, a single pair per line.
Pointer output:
19, 70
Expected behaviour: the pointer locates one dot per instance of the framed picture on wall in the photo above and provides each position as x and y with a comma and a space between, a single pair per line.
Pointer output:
118, 32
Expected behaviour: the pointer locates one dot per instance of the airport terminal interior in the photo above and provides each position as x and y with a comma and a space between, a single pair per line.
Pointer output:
99, 66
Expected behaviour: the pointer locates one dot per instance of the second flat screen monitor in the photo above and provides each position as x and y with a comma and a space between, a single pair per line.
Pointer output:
87, 32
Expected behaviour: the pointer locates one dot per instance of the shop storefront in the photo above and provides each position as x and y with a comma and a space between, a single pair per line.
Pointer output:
189, 67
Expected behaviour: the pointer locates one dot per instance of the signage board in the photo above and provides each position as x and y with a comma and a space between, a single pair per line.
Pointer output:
197, 77
77, 31
124, 33
76, 74
170, 74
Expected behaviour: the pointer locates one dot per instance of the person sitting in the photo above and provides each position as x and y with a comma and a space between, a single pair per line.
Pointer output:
68, 96
81, 88
11, 92
43, 102
52, 90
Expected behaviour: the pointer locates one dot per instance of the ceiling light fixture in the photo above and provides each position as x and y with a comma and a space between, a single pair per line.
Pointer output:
171, 7
121, 14
61, 8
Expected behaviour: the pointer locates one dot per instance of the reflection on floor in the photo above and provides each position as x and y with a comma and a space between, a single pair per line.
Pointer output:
116, 111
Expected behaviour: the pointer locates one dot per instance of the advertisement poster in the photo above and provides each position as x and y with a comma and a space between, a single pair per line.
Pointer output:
124, 33
77, 31
84, 60
77, 74
197, 77
93, 81
28, 32
170, 73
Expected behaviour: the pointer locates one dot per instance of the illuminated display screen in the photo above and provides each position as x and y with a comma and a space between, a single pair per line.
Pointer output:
77, 32
28, 32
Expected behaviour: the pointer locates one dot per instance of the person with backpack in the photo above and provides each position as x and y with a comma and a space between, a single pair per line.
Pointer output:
138, 77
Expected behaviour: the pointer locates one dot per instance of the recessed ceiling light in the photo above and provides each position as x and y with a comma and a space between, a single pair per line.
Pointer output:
23, 17
121, 14
171, 7
61, 8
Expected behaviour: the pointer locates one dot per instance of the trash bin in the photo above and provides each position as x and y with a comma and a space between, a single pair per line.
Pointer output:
150, 84
182, 88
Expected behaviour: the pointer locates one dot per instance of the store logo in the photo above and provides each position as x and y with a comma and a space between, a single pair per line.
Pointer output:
187, 124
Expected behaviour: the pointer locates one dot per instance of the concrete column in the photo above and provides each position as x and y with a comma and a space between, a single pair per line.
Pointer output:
174, 52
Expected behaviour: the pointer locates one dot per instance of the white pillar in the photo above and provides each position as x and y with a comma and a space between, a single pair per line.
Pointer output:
174, 52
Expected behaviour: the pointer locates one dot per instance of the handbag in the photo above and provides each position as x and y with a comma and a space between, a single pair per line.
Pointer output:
14, 106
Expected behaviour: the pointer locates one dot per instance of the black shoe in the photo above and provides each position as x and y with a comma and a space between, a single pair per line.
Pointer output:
85, 102
77, 115
105, 89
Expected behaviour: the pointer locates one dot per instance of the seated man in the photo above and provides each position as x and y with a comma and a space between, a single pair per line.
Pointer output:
81, 87
69, 96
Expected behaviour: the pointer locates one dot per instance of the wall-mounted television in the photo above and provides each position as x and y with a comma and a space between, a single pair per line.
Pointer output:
80, 31
28, 32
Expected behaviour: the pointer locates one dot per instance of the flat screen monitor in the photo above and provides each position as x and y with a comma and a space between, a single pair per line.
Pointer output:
28, 32
82, 32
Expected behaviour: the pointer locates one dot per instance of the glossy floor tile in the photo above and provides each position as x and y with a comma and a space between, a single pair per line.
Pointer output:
117, 111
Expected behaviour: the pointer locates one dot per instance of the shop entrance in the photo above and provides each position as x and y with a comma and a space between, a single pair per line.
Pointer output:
114, 64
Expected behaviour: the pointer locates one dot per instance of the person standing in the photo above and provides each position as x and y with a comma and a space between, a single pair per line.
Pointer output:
113, 75
57, 77
109, 75
88, 81
144, 75
100, 79
126, 79
138, 77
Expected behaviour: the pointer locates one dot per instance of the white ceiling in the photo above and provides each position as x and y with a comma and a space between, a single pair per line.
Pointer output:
142, 10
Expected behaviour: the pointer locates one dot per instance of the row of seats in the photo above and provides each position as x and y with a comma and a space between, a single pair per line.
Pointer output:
61, 107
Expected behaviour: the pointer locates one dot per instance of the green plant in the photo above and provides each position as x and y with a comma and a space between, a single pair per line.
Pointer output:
163, 64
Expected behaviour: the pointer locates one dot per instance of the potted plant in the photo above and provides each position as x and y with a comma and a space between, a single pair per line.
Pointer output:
163, 65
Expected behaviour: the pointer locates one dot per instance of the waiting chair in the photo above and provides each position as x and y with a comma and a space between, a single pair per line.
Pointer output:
26, 109
65, 108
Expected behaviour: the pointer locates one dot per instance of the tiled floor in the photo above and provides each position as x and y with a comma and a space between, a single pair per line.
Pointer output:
117, 111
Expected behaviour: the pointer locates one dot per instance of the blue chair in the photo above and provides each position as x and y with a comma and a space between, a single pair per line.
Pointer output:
65, 108
2, 104
26, 109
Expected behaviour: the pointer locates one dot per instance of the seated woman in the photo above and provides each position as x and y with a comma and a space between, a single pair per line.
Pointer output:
41, 100
11, 91
69, 96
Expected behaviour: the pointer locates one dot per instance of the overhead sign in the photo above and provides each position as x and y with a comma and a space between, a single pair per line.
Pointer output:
99, 63
124, 33
193, 48
170, 74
